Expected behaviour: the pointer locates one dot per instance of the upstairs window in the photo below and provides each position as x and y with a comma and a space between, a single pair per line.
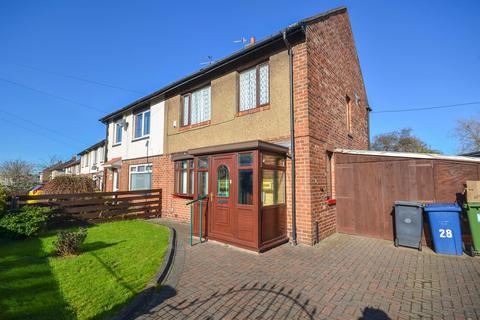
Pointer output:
117, 137
101, 154
254, 87
142, 124
196, 107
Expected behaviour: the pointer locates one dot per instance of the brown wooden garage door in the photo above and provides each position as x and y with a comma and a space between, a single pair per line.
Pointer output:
366, 187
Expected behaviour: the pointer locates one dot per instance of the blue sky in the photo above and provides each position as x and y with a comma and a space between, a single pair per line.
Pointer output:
412, 54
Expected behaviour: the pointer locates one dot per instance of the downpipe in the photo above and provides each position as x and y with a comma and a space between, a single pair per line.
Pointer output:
292, 140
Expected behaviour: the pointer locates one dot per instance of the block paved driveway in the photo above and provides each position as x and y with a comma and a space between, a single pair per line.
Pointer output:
344, 277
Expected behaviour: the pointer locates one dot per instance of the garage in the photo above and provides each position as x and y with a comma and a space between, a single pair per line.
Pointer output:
367, 183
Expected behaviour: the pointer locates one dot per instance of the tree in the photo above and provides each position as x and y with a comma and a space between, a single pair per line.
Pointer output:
468, 134
400, 141
17, 176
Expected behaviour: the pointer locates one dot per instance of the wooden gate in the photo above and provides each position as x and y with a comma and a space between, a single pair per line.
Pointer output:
366, 187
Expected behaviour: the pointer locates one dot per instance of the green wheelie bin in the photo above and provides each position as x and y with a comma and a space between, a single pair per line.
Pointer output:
473, 214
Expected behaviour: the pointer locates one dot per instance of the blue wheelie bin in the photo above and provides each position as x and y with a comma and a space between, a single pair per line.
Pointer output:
445, 225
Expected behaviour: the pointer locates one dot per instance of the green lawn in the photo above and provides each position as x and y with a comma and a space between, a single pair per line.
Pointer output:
118, 259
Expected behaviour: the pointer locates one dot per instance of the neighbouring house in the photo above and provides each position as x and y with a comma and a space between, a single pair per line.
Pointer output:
92, 160
228, 132
135, 140
72, 167
52, 171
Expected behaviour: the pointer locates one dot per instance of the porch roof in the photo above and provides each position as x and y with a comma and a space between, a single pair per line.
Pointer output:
231, 147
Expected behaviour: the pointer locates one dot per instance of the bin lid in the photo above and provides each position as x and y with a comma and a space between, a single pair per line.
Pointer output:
475, 205
444, 207
409, 203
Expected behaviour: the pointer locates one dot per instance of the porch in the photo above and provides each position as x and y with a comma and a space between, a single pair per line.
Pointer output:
244, 189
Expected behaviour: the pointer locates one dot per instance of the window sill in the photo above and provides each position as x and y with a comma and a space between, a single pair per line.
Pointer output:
116, 144
196, 125
254, 110
140, 138
182, 196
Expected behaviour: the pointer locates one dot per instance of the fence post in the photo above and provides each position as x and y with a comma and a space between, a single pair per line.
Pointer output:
200, 222
14, 203
191, 223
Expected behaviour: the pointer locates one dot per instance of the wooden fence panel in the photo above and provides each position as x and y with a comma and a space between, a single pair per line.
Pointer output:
367, 186
99, 206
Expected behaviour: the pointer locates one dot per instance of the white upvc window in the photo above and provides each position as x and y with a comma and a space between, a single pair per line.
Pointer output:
196, 106
140, 177
254, 87
118, 131
94, 157
141, 124
101, 154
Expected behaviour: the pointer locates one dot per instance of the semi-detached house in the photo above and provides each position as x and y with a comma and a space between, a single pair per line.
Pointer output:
92, 160
254, 132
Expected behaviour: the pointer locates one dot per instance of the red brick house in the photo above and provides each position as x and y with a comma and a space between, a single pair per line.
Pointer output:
228, 132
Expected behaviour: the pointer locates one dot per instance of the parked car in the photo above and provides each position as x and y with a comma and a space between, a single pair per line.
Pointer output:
35, 191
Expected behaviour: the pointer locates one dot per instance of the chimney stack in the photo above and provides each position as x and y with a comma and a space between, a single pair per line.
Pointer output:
252, 40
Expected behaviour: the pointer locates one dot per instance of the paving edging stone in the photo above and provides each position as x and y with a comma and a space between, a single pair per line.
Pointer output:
141, 299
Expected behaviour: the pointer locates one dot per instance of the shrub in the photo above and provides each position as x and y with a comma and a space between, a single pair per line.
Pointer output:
68, 243
24, 222
69, 185
3, 200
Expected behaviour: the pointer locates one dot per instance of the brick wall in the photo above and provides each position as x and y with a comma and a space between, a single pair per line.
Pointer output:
162, 178
326, 71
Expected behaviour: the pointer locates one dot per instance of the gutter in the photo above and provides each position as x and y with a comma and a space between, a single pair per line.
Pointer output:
292, 138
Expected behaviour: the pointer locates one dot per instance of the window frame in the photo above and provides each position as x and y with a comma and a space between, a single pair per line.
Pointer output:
147, 165
190, 184
143, 135
197, 170
189, 95
257, 85
241, 167
273, 167
116, 125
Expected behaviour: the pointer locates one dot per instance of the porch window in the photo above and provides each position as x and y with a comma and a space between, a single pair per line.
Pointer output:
196, 107
142, 124
223, 181
202, 169
273, 180
184, 173
141, 177
254, 87
245, 178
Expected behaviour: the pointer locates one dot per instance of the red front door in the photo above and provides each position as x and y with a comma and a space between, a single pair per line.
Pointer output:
221, 223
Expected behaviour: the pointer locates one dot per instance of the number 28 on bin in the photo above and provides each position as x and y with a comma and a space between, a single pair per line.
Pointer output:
445, 233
